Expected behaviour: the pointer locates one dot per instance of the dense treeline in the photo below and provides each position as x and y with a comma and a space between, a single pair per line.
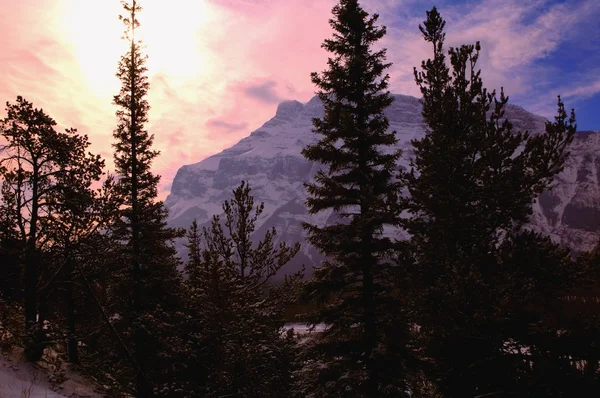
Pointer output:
472, 305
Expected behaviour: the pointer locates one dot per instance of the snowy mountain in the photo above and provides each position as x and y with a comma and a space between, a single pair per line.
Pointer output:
269, 158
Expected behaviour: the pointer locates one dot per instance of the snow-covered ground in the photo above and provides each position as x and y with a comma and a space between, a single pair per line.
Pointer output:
20, 379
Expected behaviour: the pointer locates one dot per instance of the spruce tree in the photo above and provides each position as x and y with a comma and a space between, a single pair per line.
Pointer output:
358, 183
472, 187
150, 279
583, 335
194, 245
558, 337
235, 316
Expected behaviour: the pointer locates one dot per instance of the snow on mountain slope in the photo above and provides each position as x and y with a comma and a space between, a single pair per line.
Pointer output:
270, 159
570, 212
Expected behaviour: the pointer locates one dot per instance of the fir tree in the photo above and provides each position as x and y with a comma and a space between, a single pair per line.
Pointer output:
194, 245
235, 343
472, 187
150, 277
358, 182
560, 337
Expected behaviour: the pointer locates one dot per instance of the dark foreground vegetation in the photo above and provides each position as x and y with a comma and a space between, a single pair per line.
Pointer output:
473, 305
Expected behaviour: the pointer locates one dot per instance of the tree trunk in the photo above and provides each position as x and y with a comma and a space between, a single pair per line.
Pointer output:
33, 331
370, 326
368, 262
71, 324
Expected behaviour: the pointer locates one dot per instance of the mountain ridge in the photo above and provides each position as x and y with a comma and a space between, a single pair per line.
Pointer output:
270, 160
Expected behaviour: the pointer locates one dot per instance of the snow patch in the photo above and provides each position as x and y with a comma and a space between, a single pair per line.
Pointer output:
20, 379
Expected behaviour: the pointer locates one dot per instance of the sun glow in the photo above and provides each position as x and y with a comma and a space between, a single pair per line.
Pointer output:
169, 32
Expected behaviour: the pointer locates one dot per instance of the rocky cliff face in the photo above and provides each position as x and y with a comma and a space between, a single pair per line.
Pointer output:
270, 160
570, 212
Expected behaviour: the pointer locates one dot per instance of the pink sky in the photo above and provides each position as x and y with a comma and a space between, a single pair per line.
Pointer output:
218, 68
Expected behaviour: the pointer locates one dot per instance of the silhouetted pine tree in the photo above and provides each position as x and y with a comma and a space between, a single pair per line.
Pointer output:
78, 236
10, 273
235, 318
585, 335
472, 187
353, 356
557, 336
11, 289
148, 281
194, 245
42, 171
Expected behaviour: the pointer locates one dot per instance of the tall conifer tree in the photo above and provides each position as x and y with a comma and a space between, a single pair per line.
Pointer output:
358, 182
150, 256
473, 184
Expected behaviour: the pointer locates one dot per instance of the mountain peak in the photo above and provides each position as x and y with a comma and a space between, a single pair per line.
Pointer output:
270, 160
288, 110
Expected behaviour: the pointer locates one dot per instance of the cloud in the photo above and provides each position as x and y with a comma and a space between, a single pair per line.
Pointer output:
264, 92
226, 126
525, 45
587, 89
220, 72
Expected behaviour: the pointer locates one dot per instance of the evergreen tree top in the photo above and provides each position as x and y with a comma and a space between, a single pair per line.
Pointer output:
133, 147
433, 27
130, 20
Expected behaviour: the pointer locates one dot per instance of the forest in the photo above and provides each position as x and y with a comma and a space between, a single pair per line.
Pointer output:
473, 304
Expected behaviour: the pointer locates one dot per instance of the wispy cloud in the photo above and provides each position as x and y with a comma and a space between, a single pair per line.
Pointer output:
219, 67
586, 90
264, 92
226, 126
